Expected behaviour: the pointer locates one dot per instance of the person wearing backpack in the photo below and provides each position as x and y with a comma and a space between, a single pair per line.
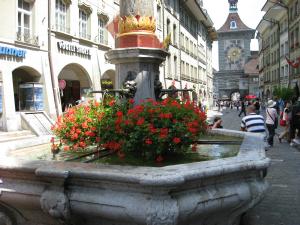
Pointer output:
285, 121
271, 121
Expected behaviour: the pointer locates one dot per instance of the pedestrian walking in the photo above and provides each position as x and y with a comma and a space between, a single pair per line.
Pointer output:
257, 106
243, 108
271, 121
252, 122
237, 104
285, 121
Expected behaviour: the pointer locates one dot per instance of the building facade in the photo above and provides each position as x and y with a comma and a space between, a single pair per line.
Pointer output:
234, 39
189, 64
45, 71
79, 40
52, 53
24, 64
251, 71
279, 50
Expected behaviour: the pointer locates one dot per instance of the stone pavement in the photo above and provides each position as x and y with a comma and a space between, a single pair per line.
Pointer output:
281, 205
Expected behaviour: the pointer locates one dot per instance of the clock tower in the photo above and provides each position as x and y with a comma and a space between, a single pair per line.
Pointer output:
234, 39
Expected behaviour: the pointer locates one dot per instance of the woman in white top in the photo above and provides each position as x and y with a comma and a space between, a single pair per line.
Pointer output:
271, 118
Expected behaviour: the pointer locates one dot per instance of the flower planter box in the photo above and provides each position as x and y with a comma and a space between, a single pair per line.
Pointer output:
212, 192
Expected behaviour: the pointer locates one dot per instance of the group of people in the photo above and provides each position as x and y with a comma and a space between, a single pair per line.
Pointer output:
286, 114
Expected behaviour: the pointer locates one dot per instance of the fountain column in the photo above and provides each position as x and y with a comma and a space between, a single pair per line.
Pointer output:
138, 51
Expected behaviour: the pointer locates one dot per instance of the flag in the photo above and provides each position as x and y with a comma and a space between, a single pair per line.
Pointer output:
294, 64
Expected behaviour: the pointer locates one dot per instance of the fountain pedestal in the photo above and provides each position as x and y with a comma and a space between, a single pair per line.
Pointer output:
140, 65
138, 51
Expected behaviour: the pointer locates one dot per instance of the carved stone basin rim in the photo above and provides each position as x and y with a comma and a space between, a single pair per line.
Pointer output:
211, 191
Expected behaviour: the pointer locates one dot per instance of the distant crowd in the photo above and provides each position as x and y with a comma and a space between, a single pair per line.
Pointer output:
278, 112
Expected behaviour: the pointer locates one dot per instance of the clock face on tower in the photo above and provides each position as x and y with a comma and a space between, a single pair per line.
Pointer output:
234, 54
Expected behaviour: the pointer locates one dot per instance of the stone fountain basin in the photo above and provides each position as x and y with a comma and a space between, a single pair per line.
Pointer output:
216, 192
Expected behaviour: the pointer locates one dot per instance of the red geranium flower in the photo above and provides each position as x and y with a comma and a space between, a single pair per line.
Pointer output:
66, 148
78, 131
164, 132
89, 133
82, 144
84, 125
140, 121
119, 114
131, 101
176, 140
112, 103
148, 141
74, 136
152, 128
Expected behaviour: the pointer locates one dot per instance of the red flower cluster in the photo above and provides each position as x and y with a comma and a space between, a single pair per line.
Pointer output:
152, 129
78, 126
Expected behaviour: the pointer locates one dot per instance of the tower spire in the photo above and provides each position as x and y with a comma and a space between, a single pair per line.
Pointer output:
233, 6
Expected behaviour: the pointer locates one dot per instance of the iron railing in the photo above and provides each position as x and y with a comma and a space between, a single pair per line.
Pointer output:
27, 38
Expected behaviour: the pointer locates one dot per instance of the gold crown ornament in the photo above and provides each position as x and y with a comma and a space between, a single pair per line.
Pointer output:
136, 23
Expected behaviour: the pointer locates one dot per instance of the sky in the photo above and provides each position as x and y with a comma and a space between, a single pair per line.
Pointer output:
249, 11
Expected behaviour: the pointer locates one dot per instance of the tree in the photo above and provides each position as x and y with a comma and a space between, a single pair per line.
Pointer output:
284, 93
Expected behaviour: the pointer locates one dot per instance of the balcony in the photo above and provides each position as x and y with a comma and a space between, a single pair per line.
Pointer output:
27, 38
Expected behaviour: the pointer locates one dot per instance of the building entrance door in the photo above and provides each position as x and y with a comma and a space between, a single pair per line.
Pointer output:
77, 84
71, 94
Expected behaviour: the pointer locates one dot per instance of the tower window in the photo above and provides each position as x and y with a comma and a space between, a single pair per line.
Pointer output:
233, 25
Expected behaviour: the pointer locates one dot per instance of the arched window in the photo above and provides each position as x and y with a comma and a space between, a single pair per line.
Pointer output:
233, 25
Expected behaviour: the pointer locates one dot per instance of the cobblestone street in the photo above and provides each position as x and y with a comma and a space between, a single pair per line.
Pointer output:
281, 206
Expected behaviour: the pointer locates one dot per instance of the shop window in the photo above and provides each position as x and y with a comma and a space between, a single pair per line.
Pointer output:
24, 21
61, 16
28, 91
31, 97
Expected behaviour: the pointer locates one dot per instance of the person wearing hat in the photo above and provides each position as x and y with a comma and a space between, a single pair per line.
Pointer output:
271, 121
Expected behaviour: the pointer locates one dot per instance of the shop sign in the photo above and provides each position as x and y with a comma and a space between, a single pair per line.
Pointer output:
19, 53
73, 48
106, 84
